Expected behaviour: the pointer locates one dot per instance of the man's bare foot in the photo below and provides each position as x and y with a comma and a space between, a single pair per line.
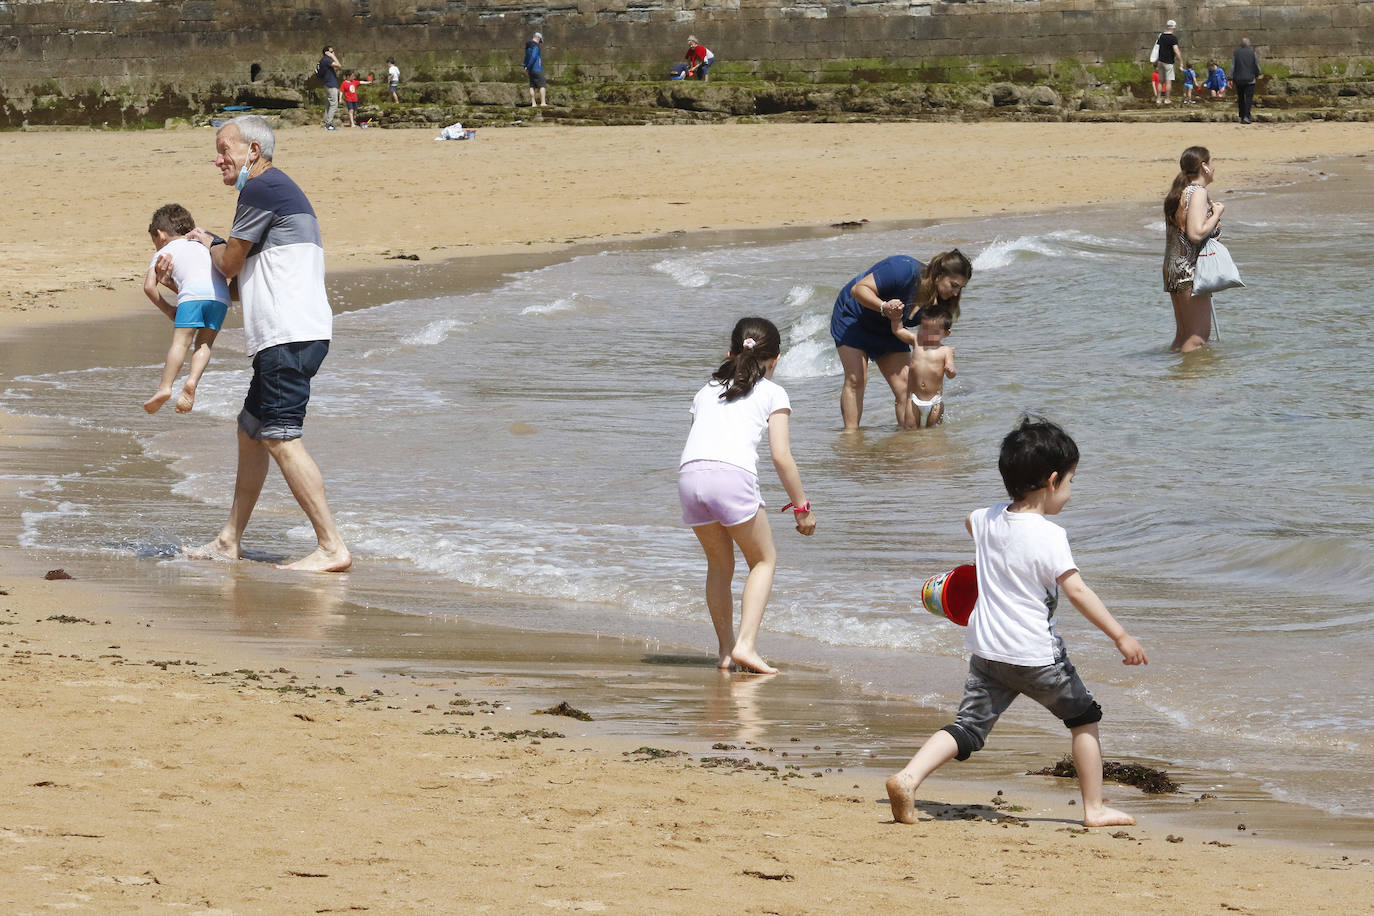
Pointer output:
726, 663
187, 400
751, 661
212, 551
153, 403
901, 795
322, 561
1102, 816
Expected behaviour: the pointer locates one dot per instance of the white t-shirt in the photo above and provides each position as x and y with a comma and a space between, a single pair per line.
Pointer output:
281, 285
393, 74
1021, 556
193, 272
730, 431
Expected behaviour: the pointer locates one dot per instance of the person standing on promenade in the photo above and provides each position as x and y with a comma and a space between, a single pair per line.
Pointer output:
534, 68
861, 321
328, 71
1170, 53
276, 252
1245, 70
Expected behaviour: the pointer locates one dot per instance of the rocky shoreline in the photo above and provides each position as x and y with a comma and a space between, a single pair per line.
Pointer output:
1028, 96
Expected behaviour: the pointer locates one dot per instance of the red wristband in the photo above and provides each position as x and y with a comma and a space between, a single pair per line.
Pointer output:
797, 510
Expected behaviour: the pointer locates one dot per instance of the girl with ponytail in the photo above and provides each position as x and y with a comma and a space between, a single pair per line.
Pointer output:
1190, 218
718, 484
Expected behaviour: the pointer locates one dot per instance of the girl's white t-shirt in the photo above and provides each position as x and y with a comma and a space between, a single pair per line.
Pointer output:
193, 272
1021, 556
730, 431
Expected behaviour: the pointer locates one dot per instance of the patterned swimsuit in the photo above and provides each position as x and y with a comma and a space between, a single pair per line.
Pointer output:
1180, 253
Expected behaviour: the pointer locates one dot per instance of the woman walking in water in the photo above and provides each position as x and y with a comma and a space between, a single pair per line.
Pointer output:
1190, 218
861, 321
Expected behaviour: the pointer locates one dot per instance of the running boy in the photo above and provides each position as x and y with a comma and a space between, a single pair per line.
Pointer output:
202, 301
1023, 562
931, 363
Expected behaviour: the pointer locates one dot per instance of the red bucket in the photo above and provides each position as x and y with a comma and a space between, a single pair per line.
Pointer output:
952, 594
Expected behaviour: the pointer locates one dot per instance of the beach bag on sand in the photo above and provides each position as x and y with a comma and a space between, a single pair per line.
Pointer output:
1215, 271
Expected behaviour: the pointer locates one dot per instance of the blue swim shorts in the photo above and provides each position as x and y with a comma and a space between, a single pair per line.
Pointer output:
201, 313
280, 390
716, 491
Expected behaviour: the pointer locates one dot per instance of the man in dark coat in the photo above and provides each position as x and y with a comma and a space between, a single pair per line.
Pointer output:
1245, 70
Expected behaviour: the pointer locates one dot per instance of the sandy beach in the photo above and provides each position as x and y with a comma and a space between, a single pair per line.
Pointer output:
199, 741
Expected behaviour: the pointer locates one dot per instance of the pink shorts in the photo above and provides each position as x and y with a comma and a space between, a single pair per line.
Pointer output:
714, 491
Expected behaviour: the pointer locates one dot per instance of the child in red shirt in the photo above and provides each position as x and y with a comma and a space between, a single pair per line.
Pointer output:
350, 93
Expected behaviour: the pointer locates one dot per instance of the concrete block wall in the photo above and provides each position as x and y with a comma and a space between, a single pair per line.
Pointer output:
75, 45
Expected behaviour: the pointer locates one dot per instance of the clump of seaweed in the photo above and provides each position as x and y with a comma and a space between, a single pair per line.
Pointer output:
1147, 779
563, 709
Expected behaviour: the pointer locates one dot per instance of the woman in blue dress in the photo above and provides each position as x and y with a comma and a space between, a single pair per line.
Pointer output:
861, 323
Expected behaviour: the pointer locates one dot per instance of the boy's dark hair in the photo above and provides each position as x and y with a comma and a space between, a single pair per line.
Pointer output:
1033, 451
173, 219
753, 342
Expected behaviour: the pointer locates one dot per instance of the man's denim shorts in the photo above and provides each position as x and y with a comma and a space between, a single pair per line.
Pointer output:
280, 390
991, 686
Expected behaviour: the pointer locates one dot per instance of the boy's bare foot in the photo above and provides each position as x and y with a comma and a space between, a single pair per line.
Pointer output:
212, 551
187, 400
1103, 816
321, 561
752, 661
153, 403
901, 795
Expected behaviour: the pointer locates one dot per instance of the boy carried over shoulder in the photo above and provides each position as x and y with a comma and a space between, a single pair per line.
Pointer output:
1023, 563
202, 301
932, 361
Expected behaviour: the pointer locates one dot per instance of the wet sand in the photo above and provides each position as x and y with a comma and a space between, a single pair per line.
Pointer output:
230, 784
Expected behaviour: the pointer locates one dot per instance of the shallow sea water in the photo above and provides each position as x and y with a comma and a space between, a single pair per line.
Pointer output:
524, 438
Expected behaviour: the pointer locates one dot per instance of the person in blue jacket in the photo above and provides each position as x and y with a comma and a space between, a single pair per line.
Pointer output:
861, 322
534, 66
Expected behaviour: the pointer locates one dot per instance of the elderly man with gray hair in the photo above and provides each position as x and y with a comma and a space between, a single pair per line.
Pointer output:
275, 251
534, 67
1245, 71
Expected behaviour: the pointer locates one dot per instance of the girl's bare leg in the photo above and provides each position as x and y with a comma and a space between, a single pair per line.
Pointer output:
1087, 759
200, 358
755, 540
720, 573
181, 339
1192, 319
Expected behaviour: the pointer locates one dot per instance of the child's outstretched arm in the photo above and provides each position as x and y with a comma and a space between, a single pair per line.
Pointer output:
1091, 607
780, 446
152, 289
949, 363
903, 333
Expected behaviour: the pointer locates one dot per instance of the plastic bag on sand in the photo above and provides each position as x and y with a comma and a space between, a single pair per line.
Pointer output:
455, 131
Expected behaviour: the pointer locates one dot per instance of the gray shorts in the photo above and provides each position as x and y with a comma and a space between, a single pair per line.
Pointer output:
991, 686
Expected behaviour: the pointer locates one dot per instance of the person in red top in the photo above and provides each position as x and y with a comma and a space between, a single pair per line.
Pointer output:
349, 87
699, 59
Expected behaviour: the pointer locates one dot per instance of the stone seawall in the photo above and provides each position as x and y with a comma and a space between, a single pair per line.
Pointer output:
67, 47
